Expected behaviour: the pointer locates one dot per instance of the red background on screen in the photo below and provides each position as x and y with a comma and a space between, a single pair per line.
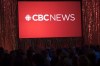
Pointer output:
48, 29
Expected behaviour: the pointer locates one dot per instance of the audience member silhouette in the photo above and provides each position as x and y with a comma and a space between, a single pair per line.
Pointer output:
73, 56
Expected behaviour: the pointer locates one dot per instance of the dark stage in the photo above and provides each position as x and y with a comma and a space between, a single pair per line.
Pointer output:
9, 28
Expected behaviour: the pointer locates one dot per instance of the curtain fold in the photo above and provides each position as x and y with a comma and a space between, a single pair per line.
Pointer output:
8, 24
91, 21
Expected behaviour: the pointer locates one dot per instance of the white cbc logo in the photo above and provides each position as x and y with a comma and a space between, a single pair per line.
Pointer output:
28, 17
50, 17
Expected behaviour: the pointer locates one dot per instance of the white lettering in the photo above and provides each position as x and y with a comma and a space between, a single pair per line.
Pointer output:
51, 17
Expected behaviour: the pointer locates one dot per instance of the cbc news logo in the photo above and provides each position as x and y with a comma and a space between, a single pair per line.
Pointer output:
50, 17
28, 17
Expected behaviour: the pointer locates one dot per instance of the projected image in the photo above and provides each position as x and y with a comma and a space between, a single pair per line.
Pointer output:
48, 19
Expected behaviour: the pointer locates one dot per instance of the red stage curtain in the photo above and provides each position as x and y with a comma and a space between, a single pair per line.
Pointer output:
91, 21
8, 24
9, 27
